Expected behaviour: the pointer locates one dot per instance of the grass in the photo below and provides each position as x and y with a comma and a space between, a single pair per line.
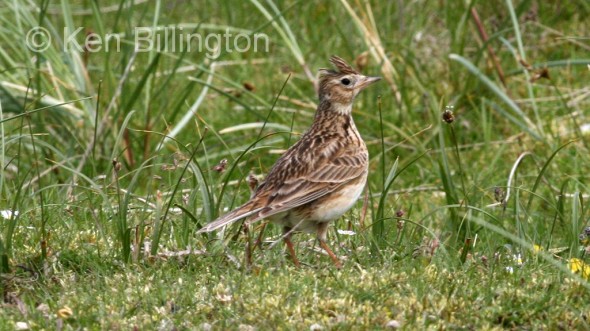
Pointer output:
110, 161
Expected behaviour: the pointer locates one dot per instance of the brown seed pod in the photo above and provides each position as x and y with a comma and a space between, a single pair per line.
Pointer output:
448, 116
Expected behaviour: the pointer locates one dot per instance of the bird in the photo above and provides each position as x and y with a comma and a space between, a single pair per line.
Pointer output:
322, 175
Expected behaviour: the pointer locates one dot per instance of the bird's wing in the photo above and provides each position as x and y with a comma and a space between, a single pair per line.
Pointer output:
305, 177
306, 172
237, 214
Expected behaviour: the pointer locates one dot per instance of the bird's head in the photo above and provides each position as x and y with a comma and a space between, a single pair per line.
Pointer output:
340, 87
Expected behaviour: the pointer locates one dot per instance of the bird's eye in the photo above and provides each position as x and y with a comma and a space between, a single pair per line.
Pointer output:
345, 81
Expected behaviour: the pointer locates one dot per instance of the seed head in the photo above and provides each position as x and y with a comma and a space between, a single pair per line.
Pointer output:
499, 194
116, 165
448, 115
252, 182
220, 167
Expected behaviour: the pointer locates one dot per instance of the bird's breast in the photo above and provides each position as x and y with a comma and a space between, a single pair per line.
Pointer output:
308, 217
335, 204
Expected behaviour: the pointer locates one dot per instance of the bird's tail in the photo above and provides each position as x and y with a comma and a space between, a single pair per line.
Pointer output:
235, 215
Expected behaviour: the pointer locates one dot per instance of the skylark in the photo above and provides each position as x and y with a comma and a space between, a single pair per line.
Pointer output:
320, 177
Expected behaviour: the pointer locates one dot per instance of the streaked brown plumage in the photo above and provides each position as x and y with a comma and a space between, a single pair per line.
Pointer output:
320, 177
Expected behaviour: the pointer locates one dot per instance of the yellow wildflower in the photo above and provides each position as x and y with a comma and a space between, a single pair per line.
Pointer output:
65, 312
578, 266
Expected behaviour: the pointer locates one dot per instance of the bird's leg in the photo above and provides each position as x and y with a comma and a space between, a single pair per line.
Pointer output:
322, 231
287, 239
332, 255
249, 249
258, 242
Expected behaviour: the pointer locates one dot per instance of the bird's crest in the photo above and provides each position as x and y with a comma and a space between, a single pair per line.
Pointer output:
341, 65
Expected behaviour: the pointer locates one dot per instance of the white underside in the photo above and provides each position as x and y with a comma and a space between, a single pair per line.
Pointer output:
325, 209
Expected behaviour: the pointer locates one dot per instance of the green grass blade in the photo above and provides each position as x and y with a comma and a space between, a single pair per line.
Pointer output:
498, 92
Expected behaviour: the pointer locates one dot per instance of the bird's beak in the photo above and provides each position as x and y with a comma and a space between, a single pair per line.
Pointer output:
366, 81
